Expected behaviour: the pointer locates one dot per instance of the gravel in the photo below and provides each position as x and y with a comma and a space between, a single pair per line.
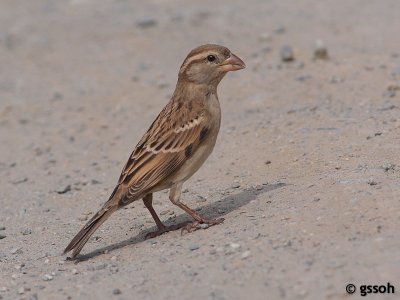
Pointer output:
193, 247
16, 251
147, 23
245, 254
286, 54
47, 277
26, 231
320, 52
116, 292
64, 190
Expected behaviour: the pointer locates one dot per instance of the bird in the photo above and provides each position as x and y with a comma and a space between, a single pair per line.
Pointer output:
175, 146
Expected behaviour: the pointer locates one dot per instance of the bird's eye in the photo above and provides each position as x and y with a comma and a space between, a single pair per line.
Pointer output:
211, 57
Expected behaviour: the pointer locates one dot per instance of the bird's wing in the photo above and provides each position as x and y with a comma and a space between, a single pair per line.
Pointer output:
168, 143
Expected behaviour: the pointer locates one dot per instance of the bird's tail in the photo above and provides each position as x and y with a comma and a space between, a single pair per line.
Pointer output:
86, 232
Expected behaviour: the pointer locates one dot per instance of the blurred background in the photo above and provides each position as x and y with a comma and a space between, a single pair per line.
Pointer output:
305, 170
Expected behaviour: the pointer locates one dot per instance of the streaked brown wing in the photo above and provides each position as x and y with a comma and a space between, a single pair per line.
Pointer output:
161, 152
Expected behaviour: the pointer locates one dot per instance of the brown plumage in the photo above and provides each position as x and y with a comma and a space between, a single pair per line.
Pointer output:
176, 144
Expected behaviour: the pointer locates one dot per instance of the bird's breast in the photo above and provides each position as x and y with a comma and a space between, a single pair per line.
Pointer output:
214, 109
196, 160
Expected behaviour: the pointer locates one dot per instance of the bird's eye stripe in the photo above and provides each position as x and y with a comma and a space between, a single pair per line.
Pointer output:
191, 61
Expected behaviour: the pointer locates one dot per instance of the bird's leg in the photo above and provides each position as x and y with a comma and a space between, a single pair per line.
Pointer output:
175, 195
148, 202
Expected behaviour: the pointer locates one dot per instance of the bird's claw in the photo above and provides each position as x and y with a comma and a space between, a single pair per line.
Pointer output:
203, 224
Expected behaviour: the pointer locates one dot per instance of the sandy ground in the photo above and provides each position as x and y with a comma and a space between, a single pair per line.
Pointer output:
306, 170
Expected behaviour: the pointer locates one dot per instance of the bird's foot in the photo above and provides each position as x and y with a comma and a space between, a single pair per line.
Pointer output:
203, 224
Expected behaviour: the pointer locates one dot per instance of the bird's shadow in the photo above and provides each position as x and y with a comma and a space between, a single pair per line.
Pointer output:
212, 210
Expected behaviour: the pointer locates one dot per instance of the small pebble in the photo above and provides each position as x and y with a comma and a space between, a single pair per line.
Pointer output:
201, 199
280, 29
146, 23
97, 267
162, 85
26, 231
64, 190
56, 96
193, 247
371, 181
387, 107
33, 297
234, 246
388, 166
83, 218
164, 212
2, 228
16, 251
19, 266
21, 180
113, 268
303, 78
235, 185
116, 291
258, 187
245, 254
389, 94
393, 87
320, 52
396, 72
2, 236
74, 271
204, 226
264, 37
336, 79
47, 277
299, 65
286, 53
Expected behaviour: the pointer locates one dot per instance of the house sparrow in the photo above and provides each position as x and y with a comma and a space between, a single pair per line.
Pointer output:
176, 144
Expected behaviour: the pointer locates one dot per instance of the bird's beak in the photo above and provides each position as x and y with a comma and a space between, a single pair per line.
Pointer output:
233, 63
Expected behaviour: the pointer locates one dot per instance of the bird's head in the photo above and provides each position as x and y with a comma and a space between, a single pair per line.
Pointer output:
208, 64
